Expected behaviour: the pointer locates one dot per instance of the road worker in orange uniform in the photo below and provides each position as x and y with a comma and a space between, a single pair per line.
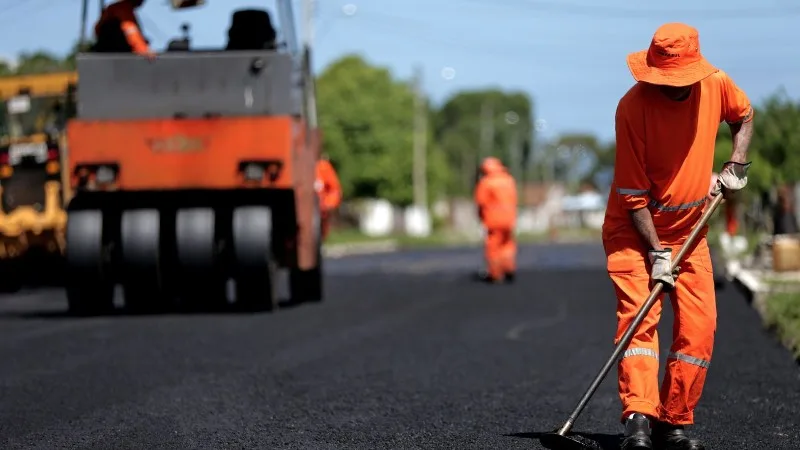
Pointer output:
329, 191
496, 198
121, 14
666, 127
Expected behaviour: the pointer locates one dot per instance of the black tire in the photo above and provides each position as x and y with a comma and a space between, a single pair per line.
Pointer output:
89, 287
140, 242
201, 283
10, 276
306, 285
255, 269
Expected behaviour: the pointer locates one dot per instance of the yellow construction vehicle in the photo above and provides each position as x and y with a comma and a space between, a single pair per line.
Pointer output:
33, 117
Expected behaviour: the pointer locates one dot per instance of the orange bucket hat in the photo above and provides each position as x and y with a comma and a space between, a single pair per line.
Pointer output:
673, 58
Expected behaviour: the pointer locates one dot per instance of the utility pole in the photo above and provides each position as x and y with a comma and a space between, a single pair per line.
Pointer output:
487, 130
309, 10
487, 137
420, 142
515, 150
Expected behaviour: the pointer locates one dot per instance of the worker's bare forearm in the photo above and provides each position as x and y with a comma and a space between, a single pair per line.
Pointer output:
643, 222
741, 133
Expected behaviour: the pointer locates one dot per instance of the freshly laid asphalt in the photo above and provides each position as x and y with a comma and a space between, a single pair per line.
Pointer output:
405, 353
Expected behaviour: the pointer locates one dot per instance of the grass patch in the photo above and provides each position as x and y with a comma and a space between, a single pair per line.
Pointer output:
783, 317
444, 239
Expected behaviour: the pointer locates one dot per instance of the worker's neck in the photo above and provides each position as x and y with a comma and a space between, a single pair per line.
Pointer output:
677, 94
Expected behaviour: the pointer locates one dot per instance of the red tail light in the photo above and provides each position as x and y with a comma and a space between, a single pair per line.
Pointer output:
52, 154
4, 158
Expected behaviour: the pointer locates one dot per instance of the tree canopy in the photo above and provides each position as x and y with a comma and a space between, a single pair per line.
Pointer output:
472, 125
366, 118
367, 115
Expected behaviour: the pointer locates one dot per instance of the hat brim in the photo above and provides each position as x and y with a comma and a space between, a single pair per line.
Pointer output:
683, 76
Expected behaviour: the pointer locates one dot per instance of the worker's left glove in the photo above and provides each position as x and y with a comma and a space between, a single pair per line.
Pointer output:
732, 177
661, 260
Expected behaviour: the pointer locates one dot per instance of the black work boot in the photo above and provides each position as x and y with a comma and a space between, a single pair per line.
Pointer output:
510, 277
483, 276
672, 437
637, 433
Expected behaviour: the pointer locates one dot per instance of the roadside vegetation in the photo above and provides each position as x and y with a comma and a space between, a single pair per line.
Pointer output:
783, 317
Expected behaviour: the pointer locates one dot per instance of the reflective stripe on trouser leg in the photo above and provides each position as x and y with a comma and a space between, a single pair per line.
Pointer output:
639, 351
690, 359
695, 309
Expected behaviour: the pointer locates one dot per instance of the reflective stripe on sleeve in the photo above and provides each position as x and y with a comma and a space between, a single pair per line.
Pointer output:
689, 359
624, 191
640, 351
667, 208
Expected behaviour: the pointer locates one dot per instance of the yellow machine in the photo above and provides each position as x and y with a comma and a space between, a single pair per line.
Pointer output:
33, 117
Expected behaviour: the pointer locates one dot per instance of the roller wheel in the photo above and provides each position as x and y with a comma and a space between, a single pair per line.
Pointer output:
306, 285
10, 281
201, 282
255, 267
141, 257
89, 287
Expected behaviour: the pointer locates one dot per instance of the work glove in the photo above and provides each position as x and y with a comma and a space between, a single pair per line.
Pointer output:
661, 260
732, 177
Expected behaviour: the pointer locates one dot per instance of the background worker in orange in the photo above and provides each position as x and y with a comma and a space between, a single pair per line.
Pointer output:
122, 14
496, 198
666, 127
329, 191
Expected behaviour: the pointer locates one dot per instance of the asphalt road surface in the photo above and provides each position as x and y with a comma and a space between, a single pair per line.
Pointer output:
406, 353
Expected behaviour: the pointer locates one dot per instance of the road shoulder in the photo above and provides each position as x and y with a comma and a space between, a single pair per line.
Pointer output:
776, 298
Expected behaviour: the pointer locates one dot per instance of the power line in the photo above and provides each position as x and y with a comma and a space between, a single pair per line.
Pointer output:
628, 13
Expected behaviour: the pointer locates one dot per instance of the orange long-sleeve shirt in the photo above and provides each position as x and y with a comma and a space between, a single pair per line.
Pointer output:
665, 153
123, 11
496, 198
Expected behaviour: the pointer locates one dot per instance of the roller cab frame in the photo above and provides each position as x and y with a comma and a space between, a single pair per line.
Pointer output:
33, 113
193, 170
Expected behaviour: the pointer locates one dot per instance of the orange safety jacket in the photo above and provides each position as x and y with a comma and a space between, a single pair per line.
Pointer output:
496, 198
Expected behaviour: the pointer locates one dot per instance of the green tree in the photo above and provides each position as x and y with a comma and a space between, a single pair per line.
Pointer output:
367, 120
6, 69
774, 150
580, 158
459, 127
38, 62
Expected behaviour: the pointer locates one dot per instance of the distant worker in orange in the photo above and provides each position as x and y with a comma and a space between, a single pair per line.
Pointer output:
118, 31
329, 191
496, 199
666, 127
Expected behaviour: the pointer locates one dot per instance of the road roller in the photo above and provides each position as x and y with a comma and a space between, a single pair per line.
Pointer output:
192, 173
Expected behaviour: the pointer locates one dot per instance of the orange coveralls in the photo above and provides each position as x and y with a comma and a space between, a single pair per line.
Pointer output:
123, 11
665, 153
496, 198
329, 191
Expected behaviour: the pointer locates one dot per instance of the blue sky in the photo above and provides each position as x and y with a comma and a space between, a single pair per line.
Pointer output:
569, 55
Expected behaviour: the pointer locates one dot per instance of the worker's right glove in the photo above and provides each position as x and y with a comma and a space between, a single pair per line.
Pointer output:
661, 260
